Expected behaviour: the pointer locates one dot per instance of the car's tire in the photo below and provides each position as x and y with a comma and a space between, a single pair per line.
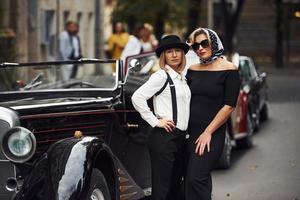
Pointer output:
264, 113
256, 120
98, 187
225, 159
247, 141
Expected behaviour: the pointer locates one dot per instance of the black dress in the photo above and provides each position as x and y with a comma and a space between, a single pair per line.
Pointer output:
210, 90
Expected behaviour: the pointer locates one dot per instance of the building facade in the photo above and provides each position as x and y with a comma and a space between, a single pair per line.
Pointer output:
37, 24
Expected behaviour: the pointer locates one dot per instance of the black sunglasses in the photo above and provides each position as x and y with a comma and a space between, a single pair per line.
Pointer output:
203, 43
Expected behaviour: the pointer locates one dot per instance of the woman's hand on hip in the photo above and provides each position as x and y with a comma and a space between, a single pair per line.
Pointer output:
167, 124
203, 141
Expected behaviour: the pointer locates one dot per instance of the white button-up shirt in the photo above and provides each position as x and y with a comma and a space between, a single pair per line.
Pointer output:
163, 102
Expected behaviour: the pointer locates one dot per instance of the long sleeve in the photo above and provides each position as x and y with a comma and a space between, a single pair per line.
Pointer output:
65, 48
133, 47
110, 43
145, 92
122, 40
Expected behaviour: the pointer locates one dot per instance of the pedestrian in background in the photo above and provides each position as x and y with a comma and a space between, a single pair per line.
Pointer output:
142, 40
149, 41
171, 102
69, 48
214, 84
117, 41
134, 44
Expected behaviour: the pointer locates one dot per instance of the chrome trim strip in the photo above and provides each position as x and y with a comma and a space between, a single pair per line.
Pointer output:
9, 116
240, 135
62, 103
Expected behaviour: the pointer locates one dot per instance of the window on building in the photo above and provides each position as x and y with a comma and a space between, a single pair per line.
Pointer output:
66, 16
78, 17
48, 30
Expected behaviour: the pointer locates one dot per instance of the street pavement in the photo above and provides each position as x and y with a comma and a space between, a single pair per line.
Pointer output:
271, 169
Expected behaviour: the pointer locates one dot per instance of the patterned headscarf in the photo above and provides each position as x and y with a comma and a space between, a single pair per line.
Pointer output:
215, 42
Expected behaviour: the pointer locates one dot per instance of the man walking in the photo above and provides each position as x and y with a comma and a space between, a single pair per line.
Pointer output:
69, 49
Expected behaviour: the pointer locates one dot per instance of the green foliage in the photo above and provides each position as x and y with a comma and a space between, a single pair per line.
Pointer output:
172, 12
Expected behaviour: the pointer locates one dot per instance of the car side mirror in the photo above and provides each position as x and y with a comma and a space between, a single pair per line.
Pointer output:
134, 67
263, 75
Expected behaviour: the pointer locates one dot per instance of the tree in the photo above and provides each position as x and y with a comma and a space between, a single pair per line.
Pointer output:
155, 12
279, 34
231, 16
193, 15
281, 28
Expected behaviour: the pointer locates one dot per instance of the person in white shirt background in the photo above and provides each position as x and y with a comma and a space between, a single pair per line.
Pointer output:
69, 48
134, 45
170, 118
142, 40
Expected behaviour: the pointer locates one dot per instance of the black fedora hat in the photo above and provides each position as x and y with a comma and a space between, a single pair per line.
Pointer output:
171, 41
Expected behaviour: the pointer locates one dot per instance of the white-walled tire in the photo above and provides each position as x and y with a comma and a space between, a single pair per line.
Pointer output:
247, 142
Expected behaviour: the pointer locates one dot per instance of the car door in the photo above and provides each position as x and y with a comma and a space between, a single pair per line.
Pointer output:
260, 79
249, 80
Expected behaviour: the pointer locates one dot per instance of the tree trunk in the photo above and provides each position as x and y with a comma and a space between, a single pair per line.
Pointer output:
131, 24
193, 16
279, 35
231, 19
159, 22
159, 28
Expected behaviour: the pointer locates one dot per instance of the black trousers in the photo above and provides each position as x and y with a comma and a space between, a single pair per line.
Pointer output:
167, 152
198, 183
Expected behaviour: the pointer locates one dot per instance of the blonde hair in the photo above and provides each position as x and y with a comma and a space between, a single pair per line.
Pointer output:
162, 61
195, 33
148, 26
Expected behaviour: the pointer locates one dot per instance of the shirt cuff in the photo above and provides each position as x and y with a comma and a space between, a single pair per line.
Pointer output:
153, 122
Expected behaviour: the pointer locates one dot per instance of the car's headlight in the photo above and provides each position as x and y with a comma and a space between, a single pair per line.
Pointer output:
18, 144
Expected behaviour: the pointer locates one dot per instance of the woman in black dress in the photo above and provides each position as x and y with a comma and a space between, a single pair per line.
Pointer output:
214, 84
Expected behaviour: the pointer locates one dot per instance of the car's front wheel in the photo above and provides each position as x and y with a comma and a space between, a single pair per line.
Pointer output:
247, 141
264, 113
225, 159
98, 187
256, 121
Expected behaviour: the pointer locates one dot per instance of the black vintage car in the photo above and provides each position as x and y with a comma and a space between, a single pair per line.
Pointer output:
76, 138
255, 84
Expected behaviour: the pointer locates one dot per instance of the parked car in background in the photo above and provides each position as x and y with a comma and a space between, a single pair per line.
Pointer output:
251, 109
255, 84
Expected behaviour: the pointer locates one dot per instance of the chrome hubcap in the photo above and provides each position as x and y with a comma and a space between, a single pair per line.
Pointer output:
97, 195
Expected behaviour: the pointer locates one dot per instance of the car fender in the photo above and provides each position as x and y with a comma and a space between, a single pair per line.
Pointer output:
64, 172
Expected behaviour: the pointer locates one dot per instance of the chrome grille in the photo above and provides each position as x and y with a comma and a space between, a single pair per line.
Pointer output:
53, 128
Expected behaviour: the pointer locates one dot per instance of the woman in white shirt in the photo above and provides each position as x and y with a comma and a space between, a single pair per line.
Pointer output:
171, 102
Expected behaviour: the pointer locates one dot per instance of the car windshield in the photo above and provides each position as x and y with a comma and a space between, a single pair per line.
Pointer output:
66, 77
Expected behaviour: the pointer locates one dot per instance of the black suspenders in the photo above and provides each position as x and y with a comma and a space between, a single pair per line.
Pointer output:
173, 96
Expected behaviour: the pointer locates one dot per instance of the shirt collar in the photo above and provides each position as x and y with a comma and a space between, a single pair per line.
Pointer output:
174, 74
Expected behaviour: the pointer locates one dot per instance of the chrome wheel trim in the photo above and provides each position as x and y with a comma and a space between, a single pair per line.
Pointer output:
97, 194
228, 149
